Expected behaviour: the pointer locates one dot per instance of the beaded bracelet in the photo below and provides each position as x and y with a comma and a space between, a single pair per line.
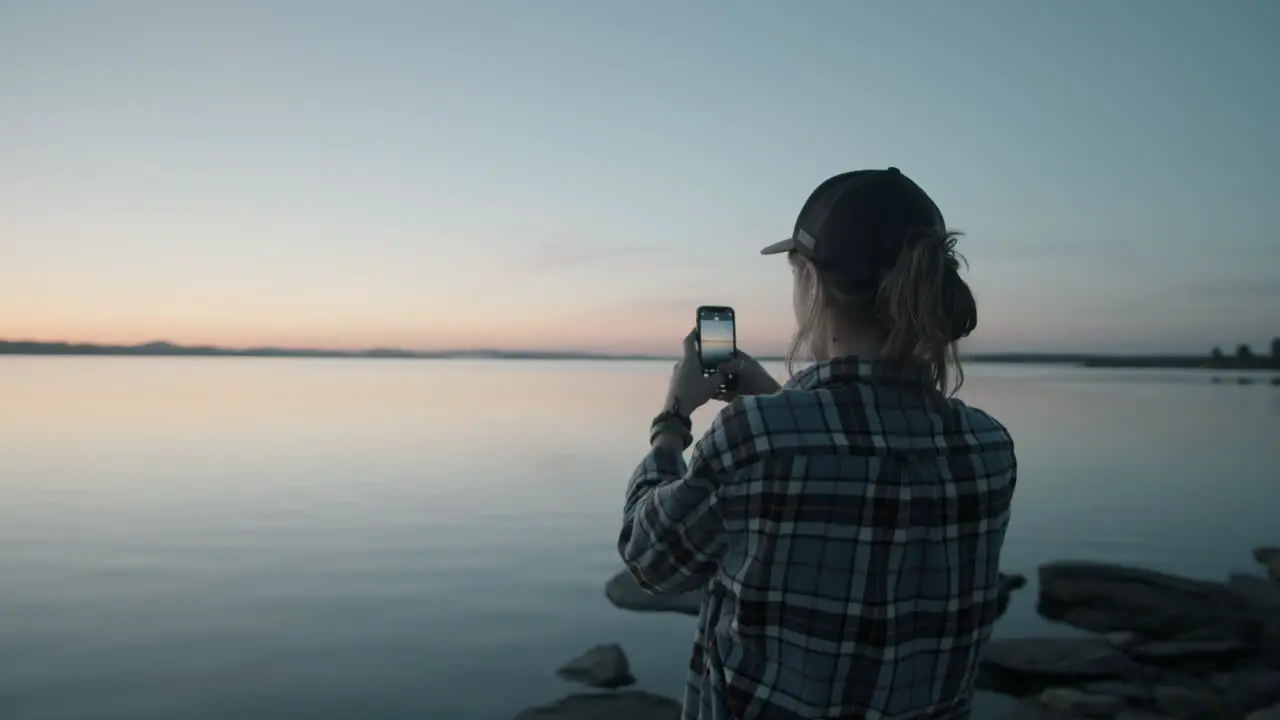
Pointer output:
668, 421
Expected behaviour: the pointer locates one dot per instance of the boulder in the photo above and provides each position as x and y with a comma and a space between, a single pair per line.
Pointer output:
1009, 583
1137, 694
622, 705
624, 592
1105, 598
1179, 651
1249, 688
1081, 702
1172, 648
1033, 709
1269, 558
1122, 638
1191, 703
1268, 713
603, 666
1260, 594
1025, 666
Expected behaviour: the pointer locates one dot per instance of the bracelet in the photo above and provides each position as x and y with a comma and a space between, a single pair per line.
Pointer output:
672, 422
686, 437
669, 415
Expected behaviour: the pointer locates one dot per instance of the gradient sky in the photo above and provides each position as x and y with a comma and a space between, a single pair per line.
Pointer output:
584, 173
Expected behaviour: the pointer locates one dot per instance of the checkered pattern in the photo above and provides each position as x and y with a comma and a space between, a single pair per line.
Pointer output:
847, 532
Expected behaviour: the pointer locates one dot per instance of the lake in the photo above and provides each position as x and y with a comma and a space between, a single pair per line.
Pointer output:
302, 538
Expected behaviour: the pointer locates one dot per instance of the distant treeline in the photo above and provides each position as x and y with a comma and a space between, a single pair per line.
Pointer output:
1242, 359
28, 347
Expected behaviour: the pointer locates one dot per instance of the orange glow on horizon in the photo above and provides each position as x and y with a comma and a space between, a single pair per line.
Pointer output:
650, 338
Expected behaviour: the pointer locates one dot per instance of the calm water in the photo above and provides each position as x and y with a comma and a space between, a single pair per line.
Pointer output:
278, 538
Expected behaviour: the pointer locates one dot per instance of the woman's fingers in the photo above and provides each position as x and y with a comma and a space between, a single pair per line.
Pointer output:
691, 343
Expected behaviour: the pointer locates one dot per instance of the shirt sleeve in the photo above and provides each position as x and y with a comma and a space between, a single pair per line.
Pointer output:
672, 529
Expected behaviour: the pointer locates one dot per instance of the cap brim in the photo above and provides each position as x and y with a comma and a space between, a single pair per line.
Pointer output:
780, 247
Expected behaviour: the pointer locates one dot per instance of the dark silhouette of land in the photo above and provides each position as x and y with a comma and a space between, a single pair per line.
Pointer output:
1242, 359
31, 347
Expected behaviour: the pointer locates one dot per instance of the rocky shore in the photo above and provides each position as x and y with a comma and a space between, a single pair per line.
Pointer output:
1154, 646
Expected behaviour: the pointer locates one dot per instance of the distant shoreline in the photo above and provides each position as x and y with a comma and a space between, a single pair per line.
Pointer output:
166, 349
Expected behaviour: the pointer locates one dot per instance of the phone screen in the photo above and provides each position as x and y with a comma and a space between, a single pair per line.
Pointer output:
717, 337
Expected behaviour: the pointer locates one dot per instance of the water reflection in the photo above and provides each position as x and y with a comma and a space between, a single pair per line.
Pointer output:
204, 537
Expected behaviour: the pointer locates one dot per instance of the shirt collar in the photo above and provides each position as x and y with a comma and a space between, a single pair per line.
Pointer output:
853, 369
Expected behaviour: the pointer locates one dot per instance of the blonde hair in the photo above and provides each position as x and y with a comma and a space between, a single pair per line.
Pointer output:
920, 306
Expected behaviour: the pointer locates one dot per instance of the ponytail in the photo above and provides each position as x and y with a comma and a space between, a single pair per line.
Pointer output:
924, 306
920, 306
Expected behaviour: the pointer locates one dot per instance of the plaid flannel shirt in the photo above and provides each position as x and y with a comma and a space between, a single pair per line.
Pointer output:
847, 534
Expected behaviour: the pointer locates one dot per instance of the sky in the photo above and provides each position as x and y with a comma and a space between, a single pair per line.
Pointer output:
582, 174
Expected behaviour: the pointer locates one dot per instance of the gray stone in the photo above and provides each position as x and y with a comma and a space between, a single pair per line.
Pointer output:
1122, 638
1008, 583
1260, 594
1173, 650
1026, 666
1082, 658
1012, 581
1269, 557
1104, 598
1249, 688
1269, 713
1265, 553
603, 666
624, 592
1080, 702
622, 705
1132, 693
1187, 703
1033, 709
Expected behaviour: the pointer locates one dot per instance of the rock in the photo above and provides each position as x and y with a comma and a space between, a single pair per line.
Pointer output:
603, 666
622, 705
1260, 594
624, 592
1012, 581
1268, 641
1132, 693
1122, 638
1173, 651
1270, 713
1104, 598
1024, 666
1250, 688
1187, 703
1008, 583
1269, 557
1033, 709
1080, 702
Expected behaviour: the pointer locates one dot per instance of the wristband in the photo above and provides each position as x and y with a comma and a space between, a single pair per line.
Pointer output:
672, 422
670, 416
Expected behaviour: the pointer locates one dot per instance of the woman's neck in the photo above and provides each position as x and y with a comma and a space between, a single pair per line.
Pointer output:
852, 342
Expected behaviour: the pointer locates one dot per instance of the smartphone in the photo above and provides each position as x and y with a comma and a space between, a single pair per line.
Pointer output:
717, 339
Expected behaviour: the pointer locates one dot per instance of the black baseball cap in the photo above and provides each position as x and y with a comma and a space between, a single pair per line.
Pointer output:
855, 224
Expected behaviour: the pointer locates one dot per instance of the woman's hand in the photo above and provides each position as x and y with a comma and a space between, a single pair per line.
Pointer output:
750, 378
689, 388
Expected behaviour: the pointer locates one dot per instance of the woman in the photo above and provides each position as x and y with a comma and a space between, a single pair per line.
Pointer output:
846, 527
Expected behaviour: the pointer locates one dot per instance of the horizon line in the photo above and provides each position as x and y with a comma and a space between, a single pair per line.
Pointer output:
391, 351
